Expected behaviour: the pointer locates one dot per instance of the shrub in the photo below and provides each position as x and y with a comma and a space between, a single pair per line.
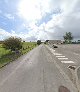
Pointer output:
38, 42
12, 43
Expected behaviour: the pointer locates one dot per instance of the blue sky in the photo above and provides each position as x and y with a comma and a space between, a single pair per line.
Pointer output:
39, 19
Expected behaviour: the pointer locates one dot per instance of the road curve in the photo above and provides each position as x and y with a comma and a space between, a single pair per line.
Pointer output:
35, 72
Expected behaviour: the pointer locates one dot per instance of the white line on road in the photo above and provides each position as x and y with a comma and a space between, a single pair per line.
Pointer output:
67, 61
75, 53
53, 50
60, 56
63, 58
57, 54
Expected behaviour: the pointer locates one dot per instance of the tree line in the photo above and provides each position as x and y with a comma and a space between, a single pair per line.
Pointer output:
15, 44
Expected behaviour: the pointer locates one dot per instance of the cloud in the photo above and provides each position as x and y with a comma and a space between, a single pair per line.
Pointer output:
4, 33
9, 16
32, 10
66, 21
29, 10
62, 16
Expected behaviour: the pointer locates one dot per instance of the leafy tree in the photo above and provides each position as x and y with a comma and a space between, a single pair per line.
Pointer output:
38, 42
46, 42
68, 37
13, 43
23, 41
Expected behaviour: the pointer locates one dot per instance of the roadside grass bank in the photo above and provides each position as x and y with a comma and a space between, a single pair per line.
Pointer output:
6, 56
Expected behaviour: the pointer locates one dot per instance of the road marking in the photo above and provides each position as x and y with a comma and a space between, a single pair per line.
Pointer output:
66, 78
67, 61
60, 56
57, 54
63, 58
53, 50
75, 53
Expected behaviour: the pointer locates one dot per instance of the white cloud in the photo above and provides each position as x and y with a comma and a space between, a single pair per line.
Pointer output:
4, 33
29, 10
67, 21
32, 11
9, 16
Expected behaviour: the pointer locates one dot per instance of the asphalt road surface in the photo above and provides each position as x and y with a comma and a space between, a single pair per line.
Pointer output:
72, 52
38, 71
67, 57
70, 56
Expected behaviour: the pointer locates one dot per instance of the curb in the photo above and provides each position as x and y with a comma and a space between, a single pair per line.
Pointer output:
4, 65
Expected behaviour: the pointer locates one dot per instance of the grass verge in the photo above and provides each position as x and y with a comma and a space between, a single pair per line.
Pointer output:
6, 56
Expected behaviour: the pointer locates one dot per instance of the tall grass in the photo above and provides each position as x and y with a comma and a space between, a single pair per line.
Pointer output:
3, 51
7, 56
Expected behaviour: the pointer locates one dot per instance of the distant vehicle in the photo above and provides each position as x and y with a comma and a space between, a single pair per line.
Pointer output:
55, 46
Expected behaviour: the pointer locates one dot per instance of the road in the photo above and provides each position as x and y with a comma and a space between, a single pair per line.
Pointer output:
72, 52
37, 71
70, 56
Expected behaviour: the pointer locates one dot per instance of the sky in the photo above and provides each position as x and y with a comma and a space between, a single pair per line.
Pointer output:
34, 20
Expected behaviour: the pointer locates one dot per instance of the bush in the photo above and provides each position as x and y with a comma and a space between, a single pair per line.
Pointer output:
12, 43
39, 42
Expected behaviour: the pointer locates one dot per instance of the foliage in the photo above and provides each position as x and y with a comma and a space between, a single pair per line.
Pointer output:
6, 56
27, 46
12, 43
46, 42
38, 42
68, 37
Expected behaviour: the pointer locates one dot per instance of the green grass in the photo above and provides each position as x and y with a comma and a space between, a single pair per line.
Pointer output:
7, 56
27, 46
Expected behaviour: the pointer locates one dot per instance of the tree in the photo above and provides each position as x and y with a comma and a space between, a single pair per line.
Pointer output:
46, 42
38, 42
68, 37
12, 43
